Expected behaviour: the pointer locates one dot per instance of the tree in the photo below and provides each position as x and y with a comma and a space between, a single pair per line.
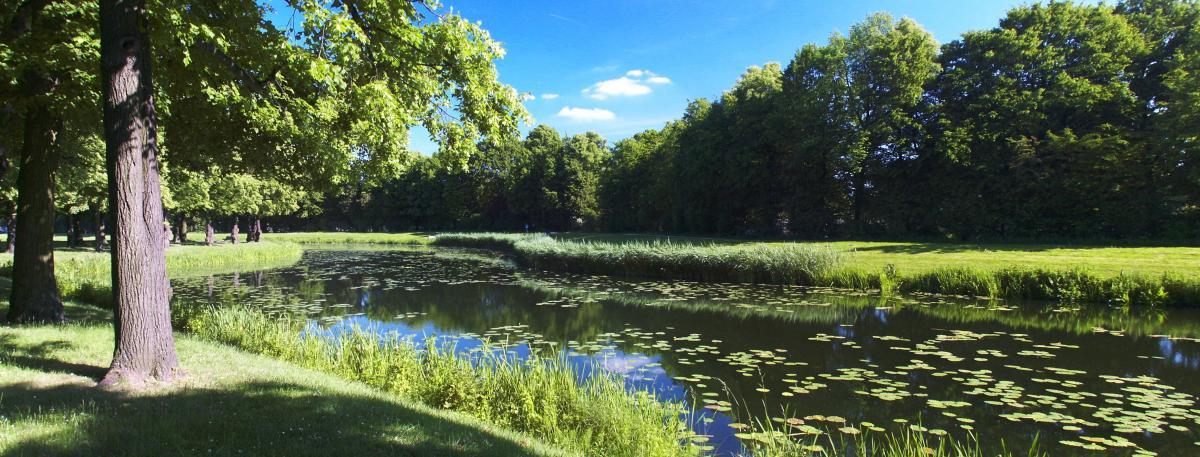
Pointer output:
1010, 102
145, 346
41, 48
378, 67
886, 64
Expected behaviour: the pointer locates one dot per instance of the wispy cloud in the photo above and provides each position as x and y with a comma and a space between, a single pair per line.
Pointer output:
634, 83
586, 114
549, 96
528, 97
565, 19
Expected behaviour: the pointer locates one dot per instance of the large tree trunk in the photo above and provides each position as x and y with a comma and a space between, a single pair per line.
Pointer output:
208, 234
12, 234
145, 346
233, 232
34, 296
100, 235
183, 229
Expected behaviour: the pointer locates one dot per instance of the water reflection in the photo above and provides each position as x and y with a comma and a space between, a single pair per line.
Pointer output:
1075, 378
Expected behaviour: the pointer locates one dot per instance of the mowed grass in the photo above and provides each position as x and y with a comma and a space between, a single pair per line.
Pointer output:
230, 403
913, 257
85, 275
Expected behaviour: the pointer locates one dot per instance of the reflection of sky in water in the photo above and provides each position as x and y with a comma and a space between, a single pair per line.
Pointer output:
640, 372
1174, 354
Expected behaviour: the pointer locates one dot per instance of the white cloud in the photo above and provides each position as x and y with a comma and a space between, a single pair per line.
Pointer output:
549, 96
634, 83
528, 97
586, 114
620, 87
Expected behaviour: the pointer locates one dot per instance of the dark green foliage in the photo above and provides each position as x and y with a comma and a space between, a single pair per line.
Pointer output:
547, 182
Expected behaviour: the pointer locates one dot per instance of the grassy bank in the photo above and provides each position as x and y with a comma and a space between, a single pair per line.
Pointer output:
231, 403
915, 257
783, 265
544, 398
85, 275
825, 264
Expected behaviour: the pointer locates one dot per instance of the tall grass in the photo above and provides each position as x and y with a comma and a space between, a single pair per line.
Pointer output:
87, 276
543, 397
793, 264
822, 266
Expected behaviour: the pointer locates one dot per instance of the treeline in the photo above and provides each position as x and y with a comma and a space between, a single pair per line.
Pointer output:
1063, 121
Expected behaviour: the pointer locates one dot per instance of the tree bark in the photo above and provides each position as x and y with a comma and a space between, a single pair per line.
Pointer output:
34, 296
12, 234
145, 346
208, 234
233, 233
183, 229
100, 236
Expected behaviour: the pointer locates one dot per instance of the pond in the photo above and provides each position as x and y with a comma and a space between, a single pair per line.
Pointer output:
1076, 379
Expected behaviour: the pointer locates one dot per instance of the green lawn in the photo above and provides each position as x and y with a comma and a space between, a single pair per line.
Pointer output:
230, 403
84, 274
912, 257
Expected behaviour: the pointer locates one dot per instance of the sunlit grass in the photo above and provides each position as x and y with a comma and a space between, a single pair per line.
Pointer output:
229, 403
915, 257
86, 276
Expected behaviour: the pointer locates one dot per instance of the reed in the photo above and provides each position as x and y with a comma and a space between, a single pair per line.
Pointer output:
820, 265
544, 397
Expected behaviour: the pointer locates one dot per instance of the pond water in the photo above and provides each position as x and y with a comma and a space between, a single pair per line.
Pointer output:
1078, 380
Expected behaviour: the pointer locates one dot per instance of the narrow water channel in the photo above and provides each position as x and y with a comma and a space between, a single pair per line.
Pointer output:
1077, 379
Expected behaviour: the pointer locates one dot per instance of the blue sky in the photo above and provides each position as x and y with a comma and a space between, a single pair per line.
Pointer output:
576, 56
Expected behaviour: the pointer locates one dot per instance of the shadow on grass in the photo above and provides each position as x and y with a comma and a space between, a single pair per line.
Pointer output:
38, 357
259, 417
